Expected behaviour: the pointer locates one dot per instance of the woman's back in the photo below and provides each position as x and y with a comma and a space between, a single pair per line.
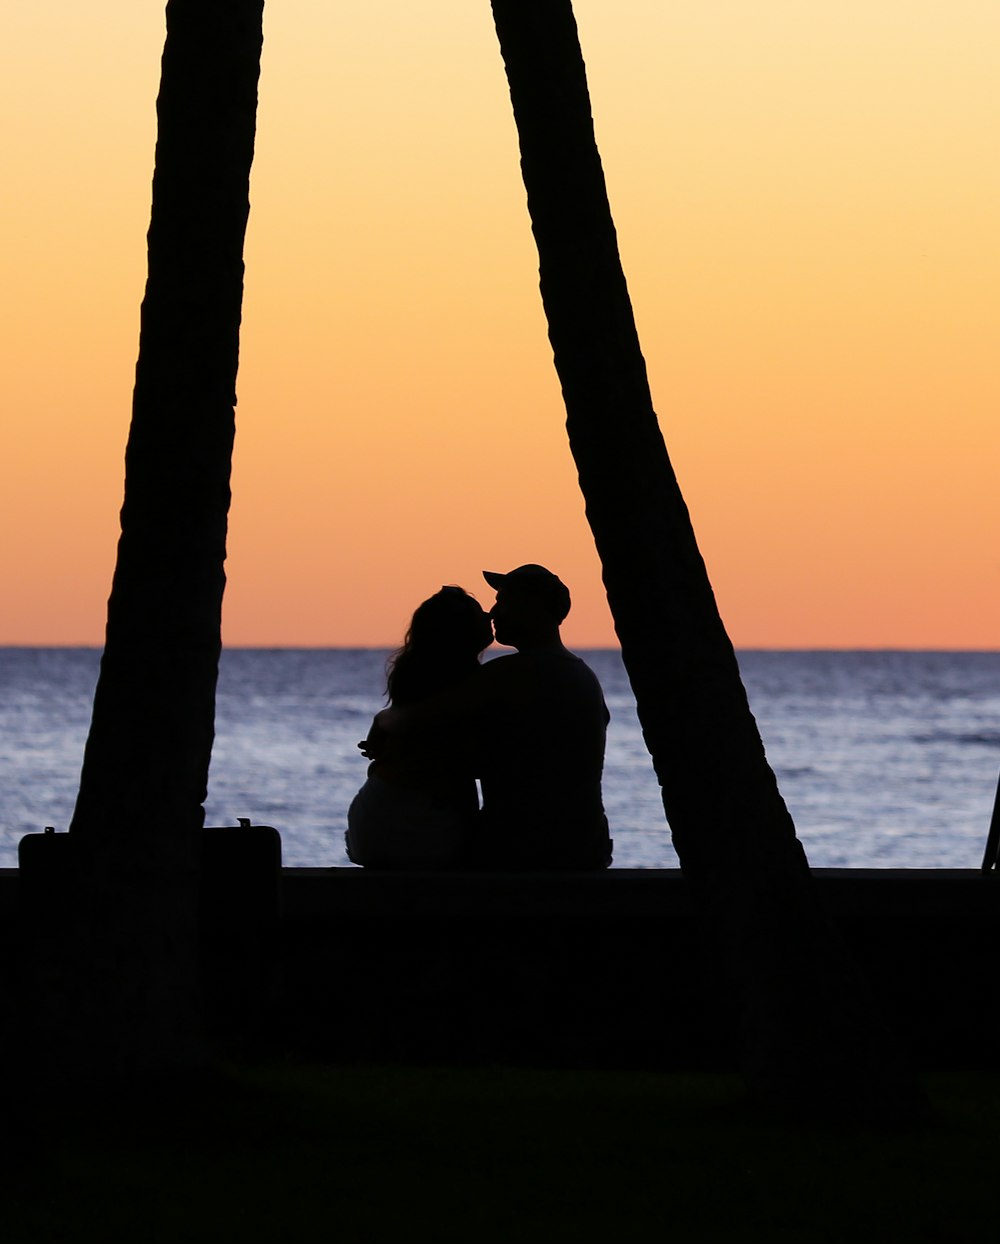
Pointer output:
420, 799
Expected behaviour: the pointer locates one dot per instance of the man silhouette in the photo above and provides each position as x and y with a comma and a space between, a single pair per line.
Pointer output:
543, 733
532, 726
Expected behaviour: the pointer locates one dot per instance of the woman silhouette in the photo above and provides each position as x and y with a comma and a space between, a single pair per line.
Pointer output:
419, 802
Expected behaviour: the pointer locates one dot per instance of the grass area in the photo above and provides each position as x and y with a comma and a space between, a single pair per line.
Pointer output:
377, 1155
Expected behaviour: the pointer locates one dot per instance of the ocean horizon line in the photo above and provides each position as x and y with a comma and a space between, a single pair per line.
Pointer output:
389, 647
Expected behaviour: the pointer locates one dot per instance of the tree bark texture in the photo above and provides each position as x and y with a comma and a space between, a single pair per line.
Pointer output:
145, 772
720, 795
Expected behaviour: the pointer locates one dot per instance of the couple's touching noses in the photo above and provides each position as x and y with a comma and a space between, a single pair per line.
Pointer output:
530, 725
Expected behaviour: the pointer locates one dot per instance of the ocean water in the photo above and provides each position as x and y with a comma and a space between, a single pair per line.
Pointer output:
886, 759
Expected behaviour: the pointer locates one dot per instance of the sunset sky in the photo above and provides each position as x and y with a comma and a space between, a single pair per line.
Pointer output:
807, 199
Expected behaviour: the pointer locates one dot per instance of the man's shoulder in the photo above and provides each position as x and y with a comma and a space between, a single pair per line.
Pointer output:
535, 667
502, 670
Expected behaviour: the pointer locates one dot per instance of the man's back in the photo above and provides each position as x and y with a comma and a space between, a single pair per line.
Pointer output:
541, 762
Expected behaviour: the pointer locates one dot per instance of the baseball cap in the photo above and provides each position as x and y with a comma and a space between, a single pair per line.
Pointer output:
538, 582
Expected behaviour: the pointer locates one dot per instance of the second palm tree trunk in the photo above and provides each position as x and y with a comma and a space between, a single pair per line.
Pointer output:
804, 1027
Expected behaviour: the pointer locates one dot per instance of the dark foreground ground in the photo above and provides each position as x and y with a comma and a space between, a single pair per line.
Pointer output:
481, 1155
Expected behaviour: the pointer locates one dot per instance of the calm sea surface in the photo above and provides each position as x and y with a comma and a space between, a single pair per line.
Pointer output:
886, 759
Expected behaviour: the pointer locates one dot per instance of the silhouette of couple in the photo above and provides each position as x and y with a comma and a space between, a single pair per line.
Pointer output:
530, 725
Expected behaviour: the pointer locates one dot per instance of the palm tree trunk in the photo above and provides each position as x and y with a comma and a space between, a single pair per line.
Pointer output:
733, 834
720, 796
145, 772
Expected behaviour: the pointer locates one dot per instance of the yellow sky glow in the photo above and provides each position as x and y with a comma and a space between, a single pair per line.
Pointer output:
806, 200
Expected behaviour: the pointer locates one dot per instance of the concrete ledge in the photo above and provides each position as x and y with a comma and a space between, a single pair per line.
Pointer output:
618, 968
598, 969
313, 891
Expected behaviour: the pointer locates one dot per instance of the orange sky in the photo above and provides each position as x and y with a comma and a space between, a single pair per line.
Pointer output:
807, 201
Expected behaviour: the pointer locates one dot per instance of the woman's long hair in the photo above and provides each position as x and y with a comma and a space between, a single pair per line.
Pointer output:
447, 635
